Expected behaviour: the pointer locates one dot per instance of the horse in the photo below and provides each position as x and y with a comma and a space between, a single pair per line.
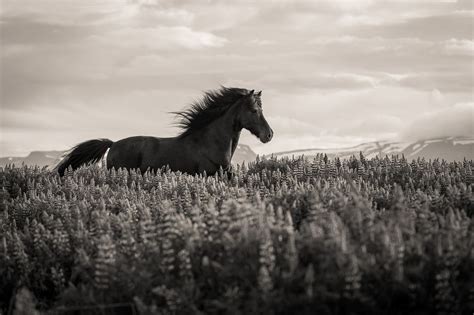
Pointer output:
211, 130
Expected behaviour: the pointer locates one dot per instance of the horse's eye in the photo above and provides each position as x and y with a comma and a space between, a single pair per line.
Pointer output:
253, 110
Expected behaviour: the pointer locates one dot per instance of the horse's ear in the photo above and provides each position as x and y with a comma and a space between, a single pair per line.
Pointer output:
259, 93
251, 92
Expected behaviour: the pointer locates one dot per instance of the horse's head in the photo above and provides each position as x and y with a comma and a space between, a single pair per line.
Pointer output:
251, 116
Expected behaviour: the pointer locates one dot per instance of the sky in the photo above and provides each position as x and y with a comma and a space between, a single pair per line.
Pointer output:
333, 72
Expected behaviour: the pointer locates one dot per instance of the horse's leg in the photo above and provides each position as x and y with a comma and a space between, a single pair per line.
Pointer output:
208, 167
230, 174
110, 159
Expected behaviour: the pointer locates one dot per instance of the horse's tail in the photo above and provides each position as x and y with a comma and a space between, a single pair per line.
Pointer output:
84, 153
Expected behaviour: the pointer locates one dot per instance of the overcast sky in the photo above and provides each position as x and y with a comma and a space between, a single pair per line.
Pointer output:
333, 72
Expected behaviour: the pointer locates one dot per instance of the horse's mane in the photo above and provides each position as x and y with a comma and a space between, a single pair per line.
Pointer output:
213, 105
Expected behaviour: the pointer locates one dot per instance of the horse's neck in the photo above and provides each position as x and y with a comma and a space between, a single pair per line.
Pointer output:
235, 141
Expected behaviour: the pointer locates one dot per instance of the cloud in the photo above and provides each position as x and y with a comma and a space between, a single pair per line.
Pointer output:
424, 27
352, 20
262, 42
373, 125
63, 119
148, 15
29, 31
158, 38
64, 12
457, 120
324, 81
459, 47
16, 49
439, 80
292, 126
334, 72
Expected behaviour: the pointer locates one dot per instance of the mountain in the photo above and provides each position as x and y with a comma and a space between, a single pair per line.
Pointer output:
243, 153
50, 158
40, 158
450, 149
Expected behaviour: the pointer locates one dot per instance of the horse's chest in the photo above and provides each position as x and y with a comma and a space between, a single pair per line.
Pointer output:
217, 159
223, 159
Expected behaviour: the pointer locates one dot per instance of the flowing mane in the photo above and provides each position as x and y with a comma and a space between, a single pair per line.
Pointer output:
213, 105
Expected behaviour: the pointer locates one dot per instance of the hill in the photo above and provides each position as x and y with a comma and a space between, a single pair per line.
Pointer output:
40, 158
50, 158
450, 149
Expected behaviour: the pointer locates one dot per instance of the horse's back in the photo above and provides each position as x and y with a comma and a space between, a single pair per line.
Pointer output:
130, 152
146, 152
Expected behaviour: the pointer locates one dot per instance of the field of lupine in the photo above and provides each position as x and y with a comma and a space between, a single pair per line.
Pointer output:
291, 236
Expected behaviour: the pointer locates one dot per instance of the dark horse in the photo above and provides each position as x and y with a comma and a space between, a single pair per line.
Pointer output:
211, 131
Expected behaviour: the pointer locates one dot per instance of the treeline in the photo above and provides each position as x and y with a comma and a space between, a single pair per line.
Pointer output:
303, 236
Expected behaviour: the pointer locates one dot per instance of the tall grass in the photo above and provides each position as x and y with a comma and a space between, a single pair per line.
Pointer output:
362, 236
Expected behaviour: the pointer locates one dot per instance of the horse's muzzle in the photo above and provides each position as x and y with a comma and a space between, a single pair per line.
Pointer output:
266, 136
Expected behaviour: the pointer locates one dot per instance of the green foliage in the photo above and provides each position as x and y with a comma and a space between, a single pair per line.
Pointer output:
363, 236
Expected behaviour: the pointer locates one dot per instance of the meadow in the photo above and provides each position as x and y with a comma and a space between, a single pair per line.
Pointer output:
280, 236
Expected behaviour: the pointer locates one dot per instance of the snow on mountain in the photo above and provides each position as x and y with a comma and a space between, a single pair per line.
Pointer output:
452, 148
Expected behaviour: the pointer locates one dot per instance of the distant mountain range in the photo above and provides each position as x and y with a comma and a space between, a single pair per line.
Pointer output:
40, 158
450, 149
50, 158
